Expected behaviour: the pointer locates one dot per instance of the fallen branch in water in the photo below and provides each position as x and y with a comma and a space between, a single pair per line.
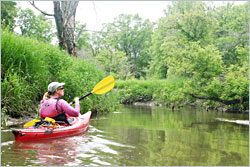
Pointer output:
227, 102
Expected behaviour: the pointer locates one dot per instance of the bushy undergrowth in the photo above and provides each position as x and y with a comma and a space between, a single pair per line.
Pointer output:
28, 66
167, 92
170, 92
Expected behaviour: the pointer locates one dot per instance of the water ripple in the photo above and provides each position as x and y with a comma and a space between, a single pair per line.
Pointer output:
7, 143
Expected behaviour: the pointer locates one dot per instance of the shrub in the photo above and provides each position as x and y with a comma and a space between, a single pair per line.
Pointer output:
167, 91
28, 66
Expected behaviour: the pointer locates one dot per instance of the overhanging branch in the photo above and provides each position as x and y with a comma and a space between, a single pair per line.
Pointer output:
227, 102
33, 4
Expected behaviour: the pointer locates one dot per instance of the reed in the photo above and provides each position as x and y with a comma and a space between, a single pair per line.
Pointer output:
28, 66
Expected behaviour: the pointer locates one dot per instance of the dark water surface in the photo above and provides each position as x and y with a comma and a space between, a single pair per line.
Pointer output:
140, 136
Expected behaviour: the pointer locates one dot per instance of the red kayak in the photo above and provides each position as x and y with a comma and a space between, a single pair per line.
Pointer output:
78, 125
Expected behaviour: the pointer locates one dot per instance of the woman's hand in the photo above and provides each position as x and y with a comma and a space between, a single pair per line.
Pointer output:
76, 99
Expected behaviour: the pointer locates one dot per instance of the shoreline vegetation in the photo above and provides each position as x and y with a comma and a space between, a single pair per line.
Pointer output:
29, 65
169, 93
195, 55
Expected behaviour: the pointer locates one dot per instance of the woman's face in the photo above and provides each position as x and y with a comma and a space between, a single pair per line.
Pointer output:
60, 91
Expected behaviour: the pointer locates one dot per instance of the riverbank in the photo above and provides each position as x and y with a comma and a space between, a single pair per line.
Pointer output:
29, 65
172, 93
240, 122
151, 104
16, 121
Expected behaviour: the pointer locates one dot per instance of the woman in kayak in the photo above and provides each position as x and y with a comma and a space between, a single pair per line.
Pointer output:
53, 107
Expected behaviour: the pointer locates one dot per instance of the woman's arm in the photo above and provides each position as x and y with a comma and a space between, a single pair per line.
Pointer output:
65, 107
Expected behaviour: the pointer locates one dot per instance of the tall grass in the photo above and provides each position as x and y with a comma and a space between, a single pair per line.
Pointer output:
167, 92
28, 66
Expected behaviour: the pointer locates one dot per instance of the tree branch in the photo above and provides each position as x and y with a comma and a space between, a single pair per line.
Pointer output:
79, 33
227, 102
47, 14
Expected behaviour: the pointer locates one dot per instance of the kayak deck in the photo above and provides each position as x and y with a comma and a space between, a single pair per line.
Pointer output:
78, 125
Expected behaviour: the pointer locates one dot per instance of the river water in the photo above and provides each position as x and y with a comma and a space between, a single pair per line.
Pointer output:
140, 136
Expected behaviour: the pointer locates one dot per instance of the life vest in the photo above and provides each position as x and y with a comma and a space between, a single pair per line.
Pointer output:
51, 105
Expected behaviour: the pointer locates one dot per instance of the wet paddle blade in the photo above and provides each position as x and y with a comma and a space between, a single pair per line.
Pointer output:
104, 86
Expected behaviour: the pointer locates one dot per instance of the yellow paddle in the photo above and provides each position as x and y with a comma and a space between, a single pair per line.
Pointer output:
102, 87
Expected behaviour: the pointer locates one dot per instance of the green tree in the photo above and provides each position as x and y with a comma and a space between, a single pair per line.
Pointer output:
131, 35
211, 52
184, 22
233, 30
35, 26
114, 63
158, 67
8, 14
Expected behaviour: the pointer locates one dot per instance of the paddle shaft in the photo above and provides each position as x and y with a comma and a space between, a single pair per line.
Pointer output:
82, 98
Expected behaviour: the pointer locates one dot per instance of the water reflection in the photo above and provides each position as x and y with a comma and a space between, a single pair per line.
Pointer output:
186, 137
81, 149
140, 136
52, 152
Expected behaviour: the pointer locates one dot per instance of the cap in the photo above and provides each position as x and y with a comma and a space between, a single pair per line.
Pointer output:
54, 85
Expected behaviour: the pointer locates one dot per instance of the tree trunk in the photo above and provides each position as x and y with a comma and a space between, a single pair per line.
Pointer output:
64, 13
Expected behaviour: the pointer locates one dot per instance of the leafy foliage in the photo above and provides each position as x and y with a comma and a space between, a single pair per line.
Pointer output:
28, 66
207, 45
8, 14
167, 92
132, 36
35, 26
232, 31
115, 63
196, 52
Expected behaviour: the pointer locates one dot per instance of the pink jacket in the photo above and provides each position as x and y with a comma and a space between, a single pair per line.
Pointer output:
48, 108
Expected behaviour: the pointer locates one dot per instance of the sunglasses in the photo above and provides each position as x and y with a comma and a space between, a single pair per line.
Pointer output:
60, 88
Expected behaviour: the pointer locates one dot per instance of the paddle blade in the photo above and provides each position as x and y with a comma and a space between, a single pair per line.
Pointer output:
104, 85
30, 123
